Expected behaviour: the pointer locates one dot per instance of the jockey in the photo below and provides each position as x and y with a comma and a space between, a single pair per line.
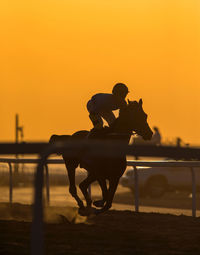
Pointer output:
101, 105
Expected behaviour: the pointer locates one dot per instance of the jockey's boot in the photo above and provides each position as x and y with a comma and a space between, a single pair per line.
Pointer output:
93, 133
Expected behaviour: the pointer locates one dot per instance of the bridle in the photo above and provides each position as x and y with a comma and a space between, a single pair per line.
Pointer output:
121, 134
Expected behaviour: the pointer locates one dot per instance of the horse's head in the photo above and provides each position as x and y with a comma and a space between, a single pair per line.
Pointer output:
135, 119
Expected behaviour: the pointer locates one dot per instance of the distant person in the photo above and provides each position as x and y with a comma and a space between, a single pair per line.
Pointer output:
179, 142
156, 138
102, 105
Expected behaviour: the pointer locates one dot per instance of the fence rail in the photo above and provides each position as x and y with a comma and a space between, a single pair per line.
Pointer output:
116, 148
132, 163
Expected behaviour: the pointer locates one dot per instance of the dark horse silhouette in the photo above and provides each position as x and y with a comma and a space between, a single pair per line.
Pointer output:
132, 118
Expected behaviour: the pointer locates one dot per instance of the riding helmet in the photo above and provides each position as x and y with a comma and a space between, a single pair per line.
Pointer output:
120, 89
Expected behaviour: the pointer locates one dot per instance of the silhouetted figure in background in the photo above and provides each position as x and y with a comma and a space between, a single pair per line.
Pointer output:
102, 105
156, 138
178, 142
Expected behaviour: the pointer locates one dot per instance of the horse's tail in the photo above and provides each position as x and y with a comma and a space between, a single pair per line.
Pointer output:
52, 139
59, 138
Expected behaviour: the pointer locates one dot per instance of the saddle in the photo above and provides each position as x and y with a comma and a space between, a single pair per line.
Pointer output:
96, 134
99, 133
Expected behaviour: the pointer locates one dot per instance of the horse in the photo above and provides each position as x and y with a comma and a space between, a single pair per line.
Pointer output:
131, 118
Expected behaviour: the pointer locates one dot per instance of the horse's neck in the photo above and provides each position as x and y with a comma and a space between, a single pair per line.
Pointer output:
119, 126
121, 131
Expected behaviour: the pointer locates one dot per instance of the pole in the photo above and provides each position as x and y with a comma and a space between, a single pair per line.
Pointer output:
193, 192
47, 184
136, 189
16, 140
16, 128
11, 184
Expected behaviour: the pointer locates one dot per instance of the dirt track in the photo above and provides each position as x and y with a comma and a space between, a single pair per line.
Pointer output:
115, 232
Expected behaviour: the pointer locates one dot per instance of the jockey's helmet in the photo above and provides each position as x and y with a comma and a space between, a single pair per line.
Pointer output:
120, 89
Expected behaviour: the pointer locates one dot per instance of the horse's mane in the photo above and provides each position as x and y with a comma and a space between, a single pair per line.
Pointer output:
122, 112
106, 130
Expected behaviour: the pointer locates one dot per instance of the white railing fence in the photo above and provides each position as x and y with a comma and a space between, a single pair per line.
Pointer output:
133, 163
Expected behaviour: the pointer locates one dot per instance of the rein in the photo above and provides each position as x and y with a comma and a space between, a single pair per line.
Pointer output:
125, 134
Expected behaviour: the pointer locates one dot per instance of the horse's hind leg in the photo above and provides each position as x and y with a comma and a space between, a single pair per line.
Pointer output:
100, 203
84, 188
72, 186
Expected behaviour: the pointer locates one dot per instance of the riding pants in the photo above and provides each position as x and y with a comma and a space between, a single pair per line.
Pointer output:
96, 118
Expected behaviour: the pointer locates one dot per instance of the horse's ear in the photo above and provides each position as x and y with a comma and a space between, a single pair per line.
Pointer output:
140, 102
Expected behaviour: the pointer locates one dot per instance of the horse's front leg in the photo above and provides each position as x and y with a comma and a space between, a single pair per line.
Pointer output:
100, 203
84, 188
72, 186
110, 195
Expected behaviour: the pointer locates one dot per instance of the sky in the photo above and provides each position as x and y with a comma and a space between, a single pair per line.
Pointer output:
56, 54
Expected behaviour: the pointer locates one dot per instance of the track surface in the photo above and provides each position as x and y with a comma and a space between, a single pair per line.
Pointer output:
115, 232
119, 231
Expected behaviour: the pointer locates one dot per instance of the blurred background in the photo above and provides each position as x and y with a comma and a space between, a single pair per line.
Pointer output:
56, 54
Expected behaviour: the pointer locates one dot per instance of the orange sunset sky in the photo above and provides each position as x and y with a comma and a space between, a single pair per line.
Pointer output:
55, 54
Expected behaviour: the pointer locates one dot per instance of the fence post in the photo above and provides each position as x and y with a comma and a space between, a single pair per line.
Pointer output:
136, 189
47, 184
193, 192
37, 231
10, 183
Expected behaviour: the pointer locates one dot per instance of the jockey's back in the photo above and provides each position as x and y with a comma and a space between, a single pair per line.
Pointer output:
103, 102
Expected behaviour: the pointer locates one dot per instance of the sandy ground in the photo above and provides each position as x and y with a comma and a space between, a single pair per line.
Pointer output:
165, 229
114, 232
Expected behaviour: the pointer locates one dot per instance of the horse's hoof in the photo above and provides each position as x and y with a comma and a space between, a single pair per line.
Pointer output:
64, 219
98, 203
82, 211
81, 205
98, 211
102, 210
86, 211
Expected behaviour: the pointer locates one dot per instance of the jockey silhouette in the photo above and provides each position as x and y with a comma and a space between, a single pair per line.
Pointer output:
101, 105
